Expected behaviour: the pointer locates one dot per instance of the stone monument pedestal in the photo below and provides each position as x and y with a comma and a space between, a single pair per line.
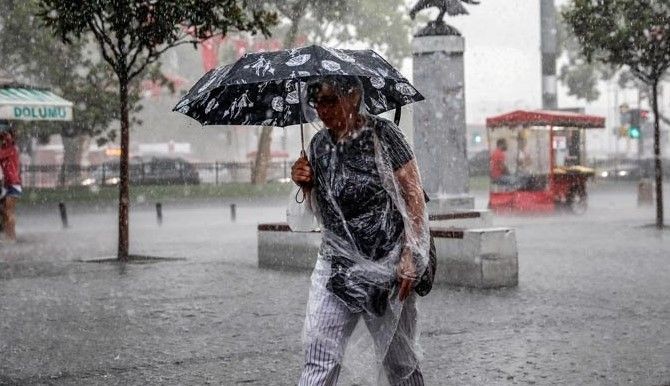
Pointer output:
280, 248
439, 122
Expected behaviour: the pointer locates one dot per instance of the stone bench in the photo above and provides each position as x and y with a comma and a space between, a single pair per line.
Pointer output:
478, 258
462, 219
280, 248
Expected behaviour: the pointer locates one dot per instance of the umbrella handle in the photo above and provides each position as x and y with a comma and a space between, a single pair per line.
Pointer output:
304, 195
302, 140
302, 133
302, 144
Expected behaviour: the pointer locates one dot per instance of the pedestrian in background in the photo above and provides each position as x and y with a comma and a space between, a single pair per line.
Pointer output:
10, 165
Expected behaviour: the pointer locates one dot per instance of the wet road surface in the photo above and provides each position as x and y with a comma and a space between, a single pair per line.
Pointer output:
592, 305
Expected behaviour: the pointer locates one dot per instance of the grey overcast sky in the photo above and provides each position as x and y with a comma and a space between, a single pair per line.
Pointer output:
502, 57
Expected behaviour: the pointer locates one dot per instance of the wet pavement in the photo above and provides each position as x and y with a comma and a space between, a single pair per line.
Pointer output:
592, 305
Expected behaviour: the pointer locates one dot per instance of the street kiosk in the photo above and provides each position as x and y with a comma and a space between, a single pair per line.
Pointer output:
537, 161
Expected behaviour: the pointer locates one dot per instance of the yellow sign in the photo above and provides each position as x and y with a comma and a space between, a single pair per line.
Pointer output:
113, 152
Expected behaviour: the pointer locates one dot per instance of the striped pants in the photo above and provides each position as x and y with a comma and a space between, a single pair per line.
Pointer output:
328, 326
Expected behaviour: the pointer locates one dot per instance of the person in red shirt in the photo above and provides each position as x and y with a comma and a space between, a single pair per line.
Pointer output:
498, 168
9, 163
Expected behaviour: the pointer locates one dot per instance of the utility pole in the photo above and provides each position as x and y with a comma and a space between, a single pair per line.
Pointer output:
640, 140
549, 48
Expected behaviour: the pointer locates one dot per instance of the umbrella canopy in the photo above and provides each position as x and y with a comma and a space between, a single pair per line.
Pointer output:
264, 88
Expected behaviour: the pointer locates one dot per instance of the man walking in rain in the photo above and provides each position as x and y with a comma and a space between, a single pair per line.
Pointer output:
362, 182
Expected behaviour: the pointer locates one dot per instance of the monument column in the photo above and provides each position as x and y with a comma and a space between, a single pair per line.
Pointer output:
439, 121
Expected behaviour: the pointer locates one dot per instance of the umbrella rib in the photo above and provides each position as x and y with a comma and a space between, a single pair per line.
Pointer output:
233, 69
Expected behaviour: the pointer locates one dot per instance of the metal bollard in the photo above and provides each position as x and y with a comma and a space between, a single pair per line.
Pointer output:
645, 192
233, 212
63, 214
159, 213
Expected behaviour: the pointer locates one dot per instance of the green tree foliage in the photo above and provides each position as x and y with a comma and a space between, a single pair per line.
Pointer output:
631, 33
579, 75
582, 77
384, 25
33, 55
131, 35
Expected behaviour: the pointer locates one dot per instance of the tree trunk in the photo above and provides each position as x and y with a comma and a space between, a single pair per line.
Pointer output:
74, 153
263, 156
658, 168
122, 253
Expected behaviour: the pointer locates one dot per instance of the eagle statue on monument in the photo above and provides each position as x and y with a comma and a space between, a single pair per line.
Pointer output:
449, 7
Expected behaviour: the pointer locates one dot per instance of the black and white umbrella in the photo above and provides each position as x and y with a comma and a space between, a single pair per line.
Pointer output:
265, 88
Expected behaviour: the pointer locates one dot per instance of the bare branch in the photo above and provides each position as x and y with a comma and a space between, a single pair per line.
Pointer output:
103, 48
641, 75
154, 55
103, 35
137, 53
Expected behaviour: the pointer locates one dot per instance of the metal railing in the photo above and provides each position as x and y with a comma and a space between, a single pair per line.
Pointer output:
147, 173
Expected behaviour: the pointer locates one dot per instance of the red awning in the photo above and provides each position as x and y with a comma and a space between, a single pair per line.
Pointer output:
545, 118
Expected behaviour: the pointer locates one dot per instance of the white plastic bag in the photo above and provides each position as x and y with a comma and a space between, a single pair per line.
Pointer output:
299, 215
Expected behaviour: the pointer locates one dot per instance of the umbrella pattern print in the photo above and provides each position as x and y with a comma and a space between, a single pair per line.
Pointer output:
263, 88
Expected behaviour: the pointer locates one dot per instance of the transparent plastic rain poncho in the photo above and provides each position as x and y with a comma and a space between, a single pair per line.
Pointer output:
368, 218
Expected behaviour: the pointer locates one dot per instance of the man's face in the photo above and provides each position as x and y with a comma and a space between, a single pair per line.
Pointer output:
333, 109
